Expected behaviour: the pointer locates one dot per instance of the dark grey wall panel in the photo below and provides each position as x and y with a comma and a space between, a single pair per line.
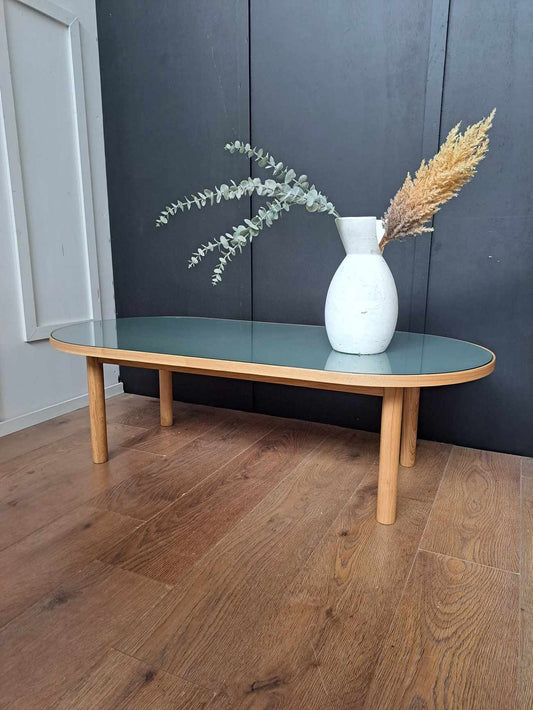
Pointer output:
353, 93
480, 285
338, 92
175, 89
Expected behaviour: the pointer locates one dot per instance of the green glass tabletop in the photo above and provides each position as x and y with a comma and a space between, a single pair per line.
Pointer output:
301, 346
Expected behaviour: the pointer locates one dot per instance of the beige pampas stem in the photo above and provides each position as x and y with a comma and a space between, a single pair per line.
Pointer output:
436, 182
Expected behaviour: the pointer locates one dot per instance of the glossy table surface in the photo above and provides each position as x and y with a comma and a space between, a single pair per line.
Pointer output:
275, 344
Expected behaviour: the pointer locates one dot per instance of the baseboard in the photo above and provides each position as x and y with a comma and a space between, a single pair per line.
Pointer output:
55, 410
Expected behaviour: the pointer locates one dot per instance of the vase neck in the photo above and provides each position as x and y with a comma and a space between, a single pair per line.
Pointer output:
358, 234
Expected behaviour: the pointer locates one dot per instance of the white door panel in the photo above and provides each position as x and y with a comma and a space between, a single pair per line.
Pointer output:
55, 252
47, 142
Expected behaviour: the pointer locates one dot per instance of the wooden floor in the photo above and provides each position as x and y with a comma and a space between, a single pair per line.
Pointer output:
234, 561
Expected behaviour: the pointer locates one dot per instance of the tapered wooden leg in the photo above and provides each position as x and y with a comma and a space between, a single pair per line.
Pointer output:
95, 381
165, 397
389, 454
411, 397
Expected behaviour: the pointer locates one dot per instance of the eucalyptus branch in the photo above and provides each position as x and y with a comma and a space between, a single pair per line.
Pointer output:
297, 189
284, 196
229, 192
228, 244
286, 190
311, 199
267, 161
225, 192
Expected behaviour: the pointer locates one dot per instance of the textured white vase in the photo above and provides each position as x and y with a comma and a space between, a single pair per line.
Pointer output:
362, 301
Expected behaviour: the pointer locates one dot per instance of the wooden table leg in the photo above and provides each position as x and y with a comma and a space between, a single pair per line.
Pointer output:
411, 397
389, 454
165, 397
95, 381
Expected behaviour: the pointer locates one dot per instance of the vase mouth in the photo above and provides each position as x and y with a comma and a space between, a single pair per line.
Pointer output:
358, 234
354, 219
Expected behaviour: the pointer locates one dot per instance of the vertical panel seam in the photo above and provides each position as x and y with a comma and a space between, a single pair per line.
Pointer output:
431, 127
250, 164
252, 384
439, 141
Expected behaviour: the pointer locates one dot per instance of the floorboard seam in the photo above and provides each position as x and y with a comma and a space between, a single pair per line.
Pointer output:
62, 438
91, 667
227, 461
171, 503
87, 503
139, 451
169, 587
525, 693
519, 681
110, 422
270, 492
84, 564
332, 524
41, 527
37, 601
199, 561
199, 483
327, 530
158, 427
520, 591
22, 611
408, 575
443, 474
462, 559
161, 670
38, 448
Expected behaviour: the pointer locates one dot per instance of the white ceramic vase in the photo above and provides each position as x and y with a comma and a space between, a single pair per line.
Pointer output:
362, 301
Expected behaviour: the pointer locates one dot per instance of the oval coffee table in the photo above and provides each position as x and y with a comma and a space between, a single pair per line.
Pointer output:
287, 354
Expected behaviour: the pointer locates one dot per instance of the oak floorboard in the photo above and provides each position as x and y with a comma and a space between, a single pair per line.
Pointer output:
43, 560
477, 510
134, 410
285, 585
51, 646
270, 544
118, 436
147, 493
453, 643
525, 686
190, 422
27, 440
173, 540
527, 467
421, 481
45, 484
319, 646
121, 682
76, 422
232, 623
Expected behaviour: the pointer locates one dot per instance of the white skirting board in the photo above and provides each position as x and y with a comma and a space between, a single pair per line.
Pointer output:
55, 410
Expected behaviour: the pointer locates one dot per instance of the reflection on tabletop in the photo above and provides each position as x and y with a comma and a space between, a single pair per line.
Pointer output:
278, 344
364, 364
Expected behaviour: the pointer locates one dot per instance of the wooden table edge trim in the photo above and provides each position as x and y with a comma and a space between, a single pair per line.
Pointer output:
303, 377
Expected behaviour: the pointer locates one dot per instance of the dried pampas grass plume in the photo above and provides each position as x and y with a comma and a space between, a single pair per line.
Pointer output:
436, 182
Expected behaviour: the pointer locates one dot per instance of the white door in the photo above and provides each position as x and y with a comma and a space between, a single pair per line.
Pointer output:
55, 255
